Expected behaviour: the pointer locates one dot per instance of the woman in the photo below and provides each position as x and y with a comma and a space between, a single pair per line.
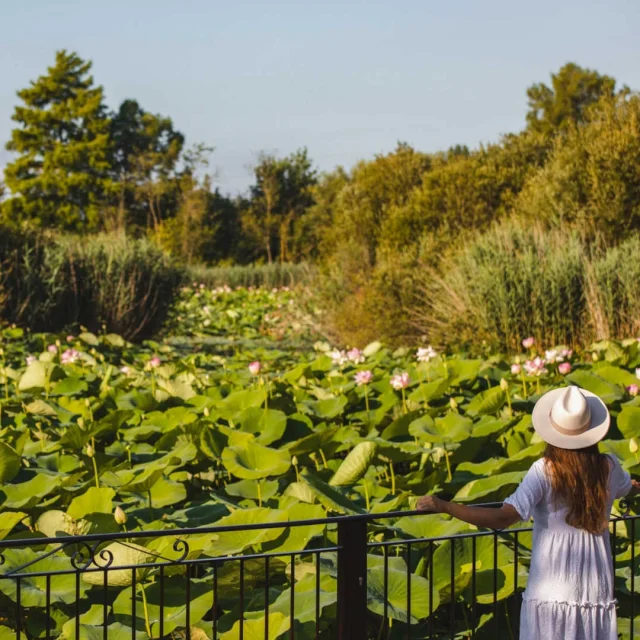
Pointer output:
569, 494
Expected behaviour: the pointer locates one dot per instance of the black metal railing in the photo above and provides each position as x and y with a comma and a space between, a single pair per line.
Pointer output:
354, 578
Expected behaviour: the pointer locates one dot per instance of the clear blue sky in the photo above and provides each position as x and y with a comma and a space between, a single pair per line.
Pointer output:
347, 79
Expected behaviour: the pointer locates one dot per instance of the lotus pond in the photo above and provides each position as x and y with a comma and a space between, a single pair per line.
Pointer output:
242, 415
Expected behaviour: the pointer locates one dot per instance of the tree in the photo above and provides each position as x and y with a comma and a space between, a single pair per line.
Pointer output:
61, 175
573, 89
278, 199
146, 150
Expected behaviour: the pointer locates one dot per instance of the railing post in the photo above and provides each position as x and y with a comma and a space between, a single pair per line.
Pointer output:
352, 580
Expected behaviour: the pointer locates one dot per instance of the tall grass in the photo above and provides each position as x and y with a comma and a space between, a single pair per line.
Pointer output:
49, 283
264, 275
515, 281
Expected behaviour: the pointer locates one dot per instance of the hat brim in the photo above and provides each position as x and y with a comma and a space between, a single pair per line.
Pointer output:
600, 421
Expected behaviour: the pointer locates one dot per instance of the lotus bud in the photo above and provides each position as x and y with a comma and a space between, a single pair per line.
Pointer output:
504, 385
58, 343
452, 403
120, 516
294, 461
595, 357
81, 423
206, 412
516, 369
87, 402
633, 445
90, 451
633, 390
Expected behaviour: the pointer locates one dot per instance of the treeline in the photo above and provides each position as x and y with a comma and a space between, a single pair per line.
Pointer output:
382, 233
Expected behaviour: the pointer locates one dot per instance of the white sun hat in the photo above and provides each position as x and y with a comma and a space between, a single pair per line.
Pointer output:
571, 418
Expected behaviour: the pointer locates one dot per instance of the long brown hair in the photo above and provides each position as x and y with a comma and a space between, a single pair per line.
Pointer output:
579, 479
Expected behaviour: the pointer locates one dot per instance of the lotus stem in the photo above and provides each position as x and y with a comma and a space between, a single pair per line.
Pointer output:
509, 403
145, 609
524, 384
446, 457
150, 503
324, 459
393, 480
366, 494
538, 385
366, 401
404, 401
259, 493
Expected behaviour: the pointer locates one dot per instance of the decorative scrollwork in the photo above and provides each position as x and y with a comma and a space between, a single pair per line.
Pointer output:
625, 507
181, 546
83, 557
107, 557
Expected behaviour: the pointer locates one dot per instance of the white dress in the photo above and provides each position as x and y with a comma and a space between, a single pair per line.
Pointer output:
569, 594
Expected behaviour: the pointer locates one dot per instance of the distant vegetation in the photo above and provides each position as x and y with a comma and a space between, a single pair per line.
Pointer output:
401, 245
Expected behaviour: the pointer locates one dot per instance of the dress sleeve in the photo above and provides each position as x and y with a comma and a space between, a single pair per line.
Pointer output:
530, 492
620, 480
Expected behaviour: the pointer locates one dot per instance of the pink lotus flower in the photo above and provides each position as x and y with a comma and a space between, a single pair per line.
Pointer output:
566, 353
527, 343
363, 377
70, 338
31, 359
535, 367
633, 390
339, 357
564, 368
425, 354
552, 356
400, 381
516, 369
155, 362
355, 355
69, 356
52, 348
202, 285
255, 367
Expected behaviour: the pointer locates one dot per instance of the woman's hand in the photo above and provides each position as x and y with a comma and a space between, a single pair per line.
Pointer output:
432, 504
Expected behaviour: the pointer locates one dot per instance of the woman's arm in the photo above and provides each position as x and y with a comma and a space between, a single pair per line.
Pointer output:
487, 517
635, 488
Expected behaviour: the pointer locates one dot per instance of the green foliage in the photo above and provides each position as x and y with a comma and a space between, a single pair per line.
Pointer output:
279, 198
48, 283
269, 276
61, 176
573, 89
591, 179
295, 442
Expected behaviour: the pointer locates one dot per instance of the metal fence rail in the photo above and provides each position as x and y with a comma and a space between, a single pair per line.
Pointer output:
360, 578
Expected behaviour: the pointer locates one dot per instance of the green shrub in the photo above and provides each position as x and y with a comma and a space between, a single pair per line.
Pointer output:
262, 275
48, 283
512, 282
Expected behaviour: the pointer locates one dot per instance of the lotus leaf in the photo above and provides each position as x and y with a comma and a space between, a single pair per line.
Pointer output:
493, 488
174, 609
304, 601
254, 461
330, 497
268, 424
232, 542
118, 554
487, 402
94, 500
26, 495
355, 465
255, 629
398, 593
254, 490
9, 520
9, 463
35, 376
33, 589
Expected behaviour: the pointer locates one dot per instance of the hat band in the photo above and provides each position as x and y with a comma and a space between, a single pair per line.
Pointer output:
571, 432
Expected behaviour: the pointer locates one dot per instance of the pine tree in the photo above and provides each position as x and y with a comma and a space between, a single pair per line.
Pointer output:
61, 175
